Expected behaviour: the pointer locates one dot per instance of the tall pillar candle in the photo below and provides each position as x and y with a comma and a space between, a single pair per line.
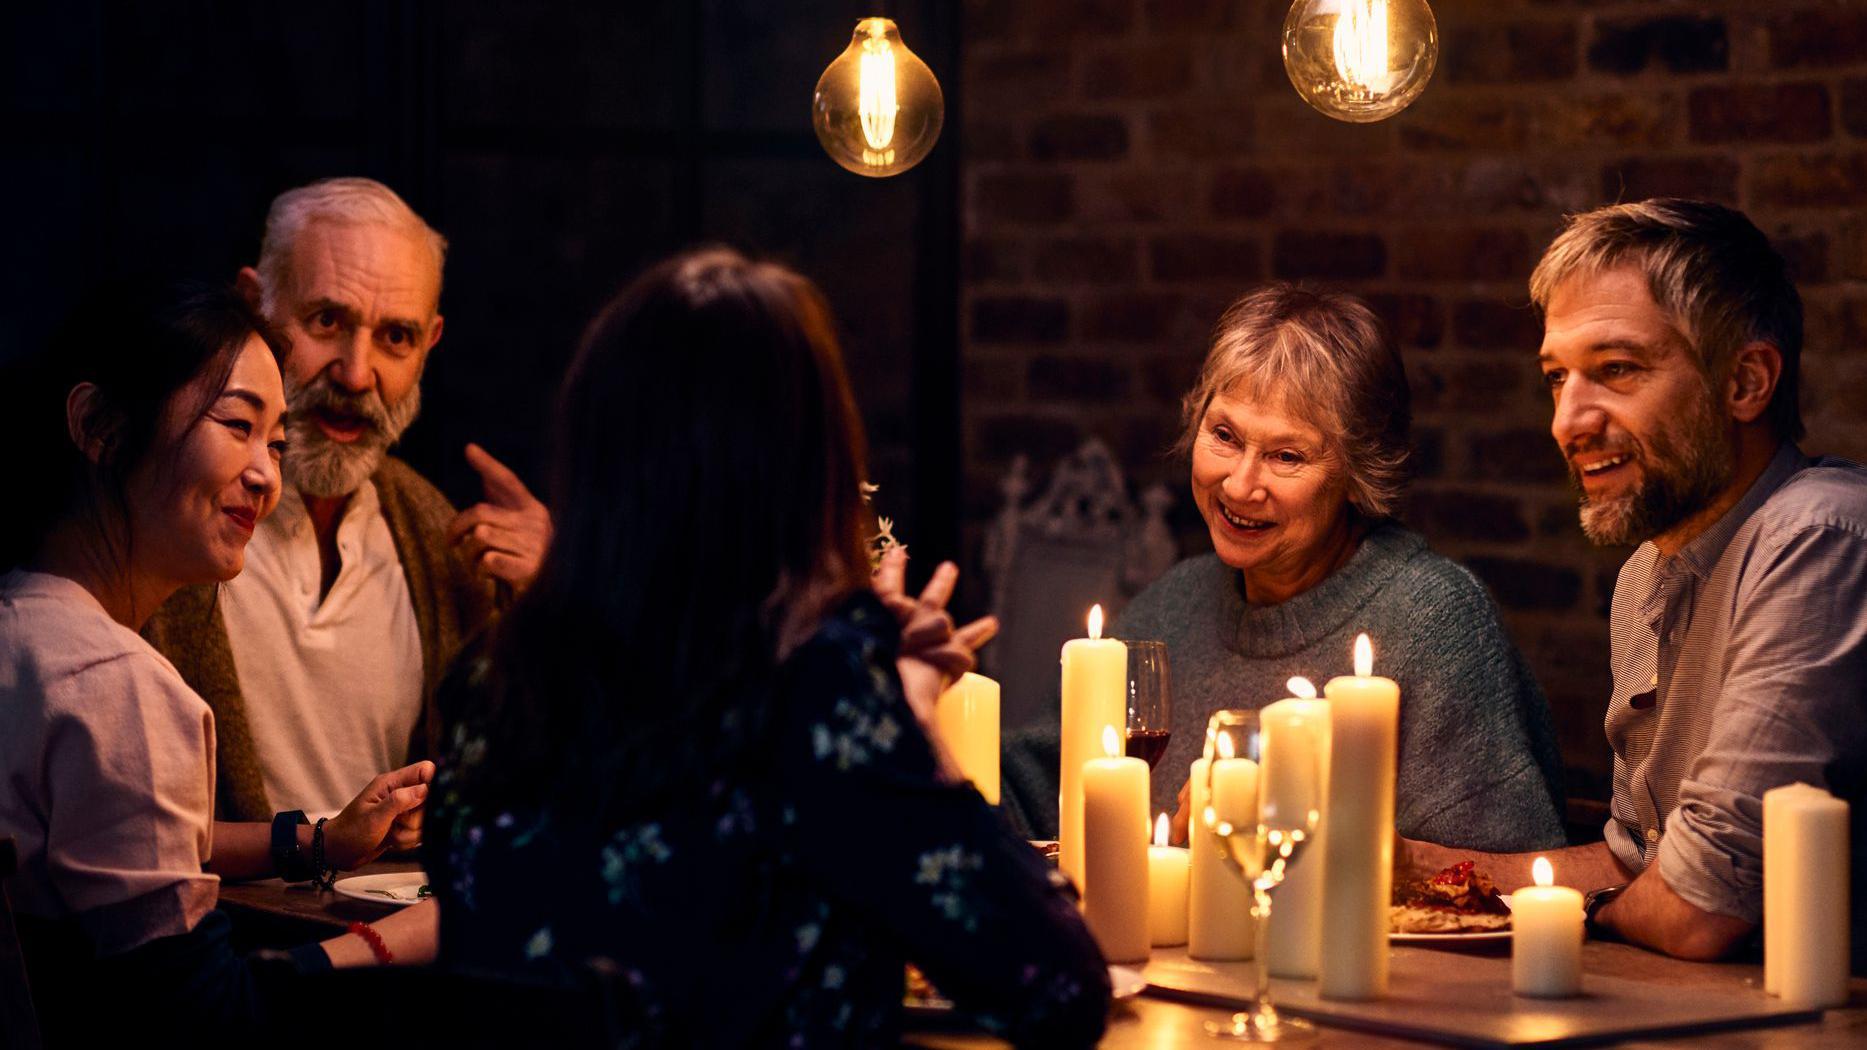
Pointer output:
1358, 861
1296, 760
966, 716
1805, 917
1546, 937
1218, 901
1095, 695
1115, 867
1166, 889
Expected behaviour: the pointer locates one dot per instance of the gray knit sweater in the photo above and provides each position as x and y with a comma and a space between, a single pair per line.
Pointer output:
1479, 766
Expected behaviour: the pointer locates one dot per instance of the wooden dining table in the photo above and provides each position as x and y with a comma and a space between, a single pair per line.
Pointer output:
270, 913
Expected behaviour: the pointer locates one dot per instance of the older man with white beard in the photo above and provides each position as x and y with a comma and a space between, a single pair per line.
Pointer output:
321, 659
1671, 347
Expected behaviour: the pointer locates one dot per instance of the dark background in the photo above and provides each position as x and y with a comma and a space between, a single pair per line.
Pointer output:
1112, 173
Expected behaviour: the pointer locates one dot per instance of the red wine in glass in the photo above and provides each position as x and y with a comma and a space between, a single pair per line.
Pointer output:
1149, 745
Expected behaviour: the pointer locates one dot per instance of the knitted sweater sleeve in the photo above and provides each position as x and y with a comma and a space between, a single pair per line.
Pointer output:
1479, 766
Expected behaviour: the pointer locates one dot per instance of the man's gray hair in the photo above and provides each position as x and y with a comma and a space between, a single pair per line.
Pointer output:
1327, 358
1705, 264
347, 201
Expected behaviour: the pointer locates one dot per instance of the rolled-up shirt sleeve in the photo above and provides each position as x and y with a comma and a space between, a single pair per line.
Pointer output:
1791, 710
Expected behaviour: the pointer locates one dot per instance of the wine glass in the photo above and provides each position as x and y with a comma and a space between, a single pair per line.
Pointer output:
1263, 804
1150, 705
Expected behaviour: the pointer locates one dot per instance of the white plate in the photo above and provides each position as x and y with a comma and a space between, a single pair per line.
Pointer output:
1124, 983
1468, 937
397, 888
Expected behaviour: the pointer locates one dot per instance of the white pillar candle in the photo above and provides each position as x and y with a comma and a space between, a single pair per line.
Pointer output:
1358, 861
1218, 901
1115, 869
966, 716
1296, 746
1805, 880
1095, 695
1546, 937
1166, 889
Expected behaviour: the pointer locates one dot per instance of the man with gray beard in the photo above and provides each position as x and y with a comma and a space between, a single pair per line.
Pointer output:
321, 659
1671, 347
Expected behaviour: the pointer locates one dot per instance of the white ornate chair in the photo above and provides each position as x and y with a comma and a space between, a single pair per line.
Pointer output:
1081, 543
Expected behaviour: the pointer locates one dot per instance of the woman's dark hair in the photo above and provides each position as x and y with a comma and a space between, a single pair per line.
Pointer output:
141, 344
707, 506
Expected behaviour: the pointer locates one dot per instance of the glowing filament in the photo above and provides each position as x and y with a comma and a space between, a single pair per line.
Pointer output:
1542, 872
1364, 656
1361, 42
875, 101
1301, 687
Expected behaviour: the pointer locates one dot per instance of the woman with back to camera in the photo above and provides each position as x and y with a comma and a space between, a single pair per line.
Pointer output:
147, 445
693, 747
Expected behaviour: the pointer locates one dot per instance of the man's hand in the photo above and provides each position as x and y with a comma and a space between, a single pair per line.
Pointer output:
505, 535
385, 815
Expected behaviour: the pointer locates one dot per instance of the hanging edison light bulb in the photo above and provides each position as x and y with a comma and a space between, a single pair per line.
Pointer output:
1360, 60
878, 108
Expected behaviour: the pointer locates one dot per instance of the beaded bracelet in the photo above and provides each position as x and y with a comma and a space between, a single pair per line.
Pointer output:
374, 940
323, 874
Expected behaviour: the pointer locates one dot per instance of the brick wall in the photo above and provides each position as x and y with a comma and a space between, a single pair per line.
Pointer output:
1131, 165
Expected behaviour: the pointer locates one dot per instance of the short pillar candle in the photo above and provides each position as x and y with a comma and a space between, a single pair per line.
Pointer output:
1546, 937
1167, 868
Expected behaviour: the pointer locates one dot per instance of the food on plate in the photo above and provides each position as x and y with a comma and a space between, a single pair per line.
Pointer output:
1459, 899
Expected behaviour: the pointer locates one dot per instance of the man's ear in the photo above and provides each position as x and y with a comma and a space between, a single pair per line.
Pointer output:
246, 282
1755, 370
434, 334
85, 422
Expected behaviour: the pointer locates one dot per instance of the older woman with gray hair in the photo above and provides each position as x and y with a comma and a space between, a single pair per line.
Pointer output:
1298, 435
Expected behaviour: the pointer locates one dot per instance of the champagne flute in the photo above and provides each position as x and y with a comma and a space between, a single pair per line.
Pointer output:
1263, 806
1150, 704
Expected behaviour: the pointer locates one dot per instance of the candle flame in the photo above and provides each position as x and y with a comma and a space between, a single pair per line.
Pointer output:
1095, 621
1111, 743
1542, 872
1301, 687
1162, 827
1226, 748
1364, 656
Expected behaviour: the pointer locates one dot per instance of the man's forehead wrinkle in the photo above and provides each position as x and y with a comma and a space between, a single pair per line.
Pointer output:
369, 272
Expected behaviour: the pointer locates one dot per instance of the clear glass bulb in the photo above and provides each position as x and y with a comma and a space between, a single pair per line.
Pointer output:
1360, 60
878, 108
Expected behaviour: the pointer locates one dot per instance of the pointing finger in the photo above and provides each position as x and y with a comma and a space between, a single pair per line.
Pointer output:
503, 487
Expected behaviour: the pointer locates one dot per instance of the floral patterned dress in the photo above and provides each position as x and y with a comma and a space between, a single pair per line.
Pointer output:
778, 909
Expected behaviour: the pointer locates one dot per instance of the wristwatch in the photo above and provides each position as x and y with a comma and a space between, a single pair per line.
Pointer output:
1595, 900
288, 860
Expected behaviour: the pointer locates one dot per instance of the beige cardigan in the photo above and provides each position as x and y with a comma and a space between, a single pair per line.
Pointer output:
451, 604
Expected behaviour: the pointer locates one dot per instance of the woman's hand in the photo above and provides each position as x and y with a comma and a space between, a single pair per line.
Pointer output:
933, 652
1182, 817
412, 936
385, 815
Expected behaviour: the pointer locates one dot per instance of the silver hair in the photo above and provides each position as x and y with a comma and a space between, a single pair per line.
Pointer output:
1705, 264
346, 200
1330, 360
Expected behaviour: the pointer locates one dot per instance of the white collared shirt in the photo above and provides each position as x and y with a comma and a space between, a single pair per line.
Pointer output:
332, 688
